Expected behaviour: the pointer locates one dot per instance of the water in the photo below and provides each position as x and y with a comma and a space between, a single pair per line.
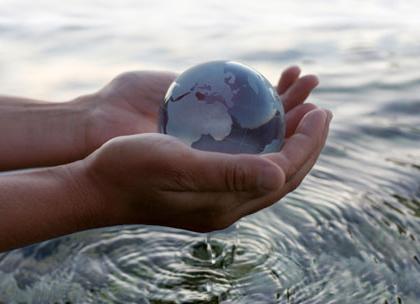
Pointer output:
349, 234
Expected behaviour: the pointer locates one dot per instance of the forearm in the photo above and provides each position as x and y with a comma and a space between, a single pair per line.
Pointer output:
36, 133
41, 204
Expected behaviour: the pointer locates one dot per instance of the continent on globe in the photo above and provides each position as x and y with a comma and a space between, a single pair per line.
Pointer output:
224, 106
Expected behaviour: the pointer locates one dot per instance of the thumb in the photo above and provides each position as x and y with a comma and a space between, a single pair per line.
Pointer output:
220, 172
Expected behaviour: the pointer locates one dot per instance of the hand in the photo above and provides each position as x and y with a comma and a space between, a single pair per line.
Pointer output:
129, 104
144, 179
55, 133
156, 179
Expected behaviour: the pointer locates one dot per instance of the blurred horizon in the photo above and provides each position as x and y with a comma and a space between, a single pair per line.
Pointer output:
58, 50
348, 234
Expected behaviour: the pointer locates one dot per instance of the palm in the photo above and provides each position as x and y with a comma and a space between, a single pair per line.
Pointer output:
129, 104
135, 98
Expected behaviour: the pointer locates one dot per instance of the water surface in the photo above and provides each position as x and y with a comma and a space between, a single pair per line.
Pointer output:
349, 234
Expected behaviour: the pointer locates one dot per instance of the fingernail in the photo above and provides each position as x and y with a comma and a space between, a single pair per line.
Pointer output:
268, 178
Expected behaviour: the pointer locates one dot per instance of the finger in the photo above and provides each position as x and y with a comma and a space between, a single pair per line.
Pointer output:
295, 115
220, 172
299, 91
295, 181
287, 78
299, 147
262, 202
181, 168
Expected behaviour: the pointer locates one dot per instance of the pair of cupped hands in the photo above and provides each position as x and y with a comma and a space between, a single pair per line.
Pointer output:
137, 176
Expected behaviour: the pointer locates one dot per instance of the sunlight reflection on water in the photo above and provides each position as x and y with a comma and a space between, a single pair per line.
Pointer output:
349, 234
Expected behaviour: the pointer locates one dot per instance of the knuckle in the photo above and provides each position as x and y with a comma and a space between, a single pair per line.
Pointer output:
289, 165
180, 179
177, 176
123, 82
236, 178
309, 106
124, 78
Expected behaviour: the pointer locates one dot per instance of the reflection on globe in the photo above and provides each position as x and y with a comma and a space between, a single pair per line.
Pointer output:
224, 106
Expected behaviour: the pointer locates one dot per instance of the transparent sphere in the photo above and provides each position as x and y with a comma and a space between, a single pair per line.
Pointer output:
224, 106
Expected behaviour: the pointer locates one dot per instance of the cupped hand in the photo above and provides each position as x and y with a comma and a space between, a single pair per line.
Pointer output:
130, 103
156, 179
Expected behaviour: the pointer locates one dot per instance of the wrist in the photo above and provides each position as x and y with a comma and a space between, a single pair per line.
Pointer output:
41, 133
84, 193
95, 122
46, 203
97, 190
85, 106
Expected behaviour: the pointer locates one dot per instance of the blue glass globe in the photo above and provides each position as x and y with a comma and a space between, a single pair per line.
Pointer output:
224, 106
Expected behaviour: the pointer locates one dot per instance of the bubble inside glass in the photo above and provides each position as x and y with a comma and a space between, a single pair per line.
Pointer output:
224, 106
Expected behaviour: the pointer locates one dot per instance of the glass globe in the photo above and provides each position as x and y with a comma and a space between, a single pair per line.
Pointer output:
224, 106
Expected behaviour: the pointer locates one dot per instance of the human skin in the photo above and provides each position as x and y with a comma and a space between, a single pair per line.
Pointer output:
107, 166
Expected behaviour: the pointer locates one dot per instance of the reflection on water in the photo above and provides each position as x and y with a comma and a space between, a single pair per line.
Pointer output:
349, 234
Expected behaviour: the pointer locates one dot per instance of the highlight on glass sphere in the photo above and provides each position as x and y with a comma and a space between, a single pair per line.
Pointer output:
224, 106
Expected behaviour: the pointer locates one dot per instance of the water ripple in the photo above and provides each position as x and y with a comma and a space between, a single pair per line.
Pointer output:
349, 234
